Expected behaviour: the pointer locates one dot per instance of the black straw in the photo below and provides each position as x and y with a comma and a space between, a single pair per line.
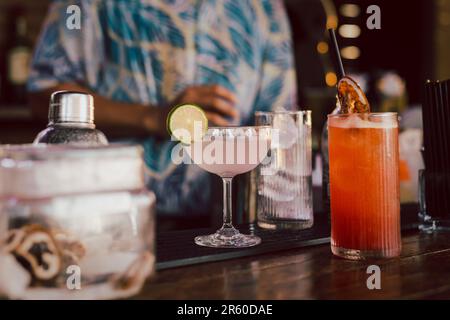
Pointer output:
428, 126
443, 124
337, 55
436, 134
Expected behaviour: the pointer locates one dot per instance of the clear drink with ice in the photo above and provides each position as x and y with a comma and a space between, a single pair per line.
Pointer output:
284, 184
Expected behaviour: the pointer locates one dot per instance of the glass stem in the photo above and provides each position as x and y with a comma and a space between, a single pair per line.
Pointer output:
227, 209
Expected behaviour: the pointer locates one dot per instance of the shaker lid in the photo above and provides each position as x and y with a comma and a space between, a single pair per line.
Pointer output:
71, 106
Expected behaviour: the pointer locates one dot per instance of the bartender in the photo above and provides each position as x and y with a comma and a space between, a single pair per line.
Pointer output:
138, 58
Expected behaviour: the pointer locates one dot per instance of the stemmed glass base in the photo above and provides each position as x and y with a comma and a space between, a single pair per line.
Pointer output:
228, 237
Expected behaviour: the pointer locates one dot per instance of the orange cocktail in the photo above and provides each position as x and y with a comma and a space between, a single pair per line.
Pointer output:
364, 185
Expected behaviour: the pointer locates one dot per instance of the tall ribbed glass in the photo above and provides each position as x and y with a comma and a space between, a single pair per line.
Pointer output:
364, 185
284, 184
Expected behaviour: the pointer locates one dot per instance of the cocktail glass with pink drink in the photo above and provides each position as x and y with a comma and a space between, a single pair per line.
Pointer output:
227, 152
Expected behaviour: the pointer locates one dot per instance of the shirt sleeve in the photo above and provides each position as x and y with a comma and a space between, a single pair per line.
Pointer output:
278, 87
58, 55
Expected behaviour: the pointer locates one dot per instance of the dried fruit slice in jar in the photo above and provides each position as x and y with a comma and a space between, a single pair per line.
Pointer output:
38, 253
352, 97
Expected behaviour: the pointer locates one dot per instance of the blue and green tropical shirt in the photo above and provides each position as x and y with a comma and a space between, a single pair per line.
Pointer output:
149, 51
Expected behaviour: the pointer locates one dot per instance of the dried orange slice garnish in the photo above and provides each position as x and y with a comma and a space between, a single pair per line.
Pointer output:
352, 97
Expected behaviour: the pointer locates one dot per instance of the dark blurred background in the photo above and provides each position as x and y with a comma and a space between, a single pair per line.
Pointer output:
392, 63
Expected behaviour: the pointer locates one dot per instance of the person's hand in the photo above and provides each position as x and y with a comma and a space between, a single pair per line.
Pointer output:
218, 103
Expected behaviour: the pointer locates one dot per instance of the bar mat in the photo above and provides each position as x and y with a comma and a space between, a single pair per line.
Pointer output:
177, 248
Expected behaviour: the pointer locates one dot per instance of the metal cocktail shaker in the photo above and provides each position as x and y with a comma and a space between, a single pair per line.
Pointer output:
71, 121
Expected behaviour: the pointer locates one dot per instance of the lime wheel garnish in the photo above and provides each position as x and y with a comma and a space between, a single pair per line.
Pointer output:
187, 123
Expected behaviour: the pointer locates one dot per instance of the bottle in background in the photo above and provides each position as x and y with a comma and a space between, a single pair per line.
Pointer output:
17, 59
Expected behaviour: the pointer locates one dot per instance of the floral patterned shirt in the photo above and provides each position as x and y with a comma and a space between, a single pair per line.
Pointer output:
148, 51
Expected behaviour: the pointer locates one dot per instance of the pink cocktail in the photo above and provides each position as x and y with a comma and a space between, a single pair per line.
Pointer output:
227, 152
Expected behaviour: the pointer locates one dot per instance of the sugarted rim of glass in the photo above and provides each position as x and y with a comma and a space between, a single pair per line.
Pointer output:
238, 127
376, 114
376, 120
296, 112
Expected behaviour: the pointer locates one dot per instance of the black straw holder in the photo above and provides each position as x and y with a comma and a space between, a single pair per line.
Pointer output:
434, 181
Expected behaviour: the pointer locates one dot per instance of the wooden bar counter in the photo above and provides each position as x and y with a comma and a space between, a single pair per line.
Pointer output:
421, 272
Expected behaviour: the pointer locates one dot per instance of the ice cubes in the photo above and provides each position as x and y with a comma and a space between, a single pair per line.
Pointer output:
285, 131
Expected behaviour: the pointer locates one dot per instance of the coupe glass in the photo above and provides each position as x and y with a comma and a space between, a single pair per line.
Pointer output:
227, 152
